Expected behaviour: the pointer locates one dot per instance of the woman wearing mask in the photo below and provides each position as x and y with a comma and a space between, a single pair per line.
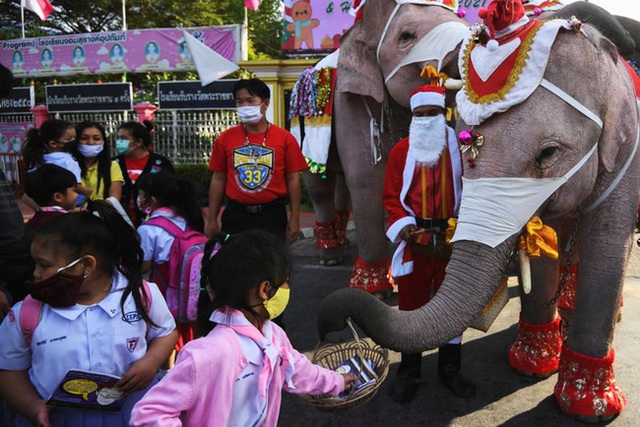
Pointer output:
135, 160
99, 172
257, 166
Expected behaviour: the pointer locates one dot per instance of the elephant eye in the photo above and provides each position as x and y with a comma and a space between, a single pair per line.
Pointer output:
547, 157
406, 36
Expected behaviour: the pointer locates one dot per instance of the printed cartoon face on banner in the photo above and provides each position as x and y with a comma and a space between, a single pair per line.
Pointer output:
115, 51
254, 166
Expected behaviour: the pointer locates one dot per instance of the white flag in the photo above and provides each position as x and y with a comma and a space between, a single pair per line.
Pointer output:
211, 65
42, 8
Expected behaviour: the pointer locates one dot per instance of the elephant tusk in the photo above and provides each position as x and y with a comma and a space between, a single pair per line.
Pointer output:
525, 270
453, 84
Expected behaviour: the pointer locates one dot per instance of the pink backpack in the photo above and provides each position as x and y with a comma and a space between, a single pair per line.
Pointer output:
32, 310
185, 257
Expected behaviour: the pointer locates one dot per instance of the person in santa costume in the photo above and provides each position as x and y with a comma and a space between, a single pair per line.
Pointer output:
422, 188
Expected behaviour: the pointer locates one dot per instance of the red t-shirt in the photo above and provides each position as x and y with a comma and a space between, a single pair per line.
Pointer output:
256, 173
135, 167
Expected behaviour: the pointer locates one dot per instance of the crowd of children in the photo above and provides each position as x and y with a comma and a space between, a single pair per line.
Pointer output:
91, 310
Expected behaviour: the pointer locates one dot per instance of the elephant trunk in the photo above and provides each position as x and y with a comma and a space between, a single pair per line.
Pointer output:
473, 275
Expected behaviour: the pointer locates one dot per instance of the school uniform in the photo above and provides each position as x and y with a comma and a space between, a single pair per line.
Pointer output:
96, 338
156, 246
233, 376
64, 160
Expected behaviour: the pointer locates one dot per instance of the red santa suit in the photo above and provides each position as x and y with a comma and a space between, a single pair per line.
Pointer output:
411, 191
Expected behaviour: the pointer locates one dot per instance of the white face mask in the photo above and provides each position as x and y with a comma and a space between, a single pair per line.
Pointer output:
250, 114
90, 150
427, 139
494, 209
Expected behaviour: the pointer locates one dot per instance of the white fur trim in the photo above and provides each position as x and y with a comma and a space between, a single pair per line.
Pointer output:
456, 167
486, 62
426, 98
317, 139
474, 114
393, 233
398, 267
511, 28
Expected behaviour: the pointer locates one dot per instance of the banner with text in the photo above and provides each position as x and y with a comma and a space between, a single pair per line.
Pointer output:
314, 27
190, 95
89, 97
21, 100
137, 51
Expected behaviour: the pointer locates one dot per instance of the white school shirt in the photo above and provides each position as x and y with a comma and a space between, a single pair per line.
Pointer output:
155, 241
92, 338
64, 160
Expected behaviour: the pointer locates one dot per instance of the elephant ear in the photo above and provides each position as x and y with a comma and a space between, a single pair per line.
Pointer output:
358, 68
620, 106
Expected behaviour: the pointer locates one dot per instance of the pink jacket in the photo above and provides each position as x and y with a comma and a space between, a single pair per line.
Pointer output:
198, 390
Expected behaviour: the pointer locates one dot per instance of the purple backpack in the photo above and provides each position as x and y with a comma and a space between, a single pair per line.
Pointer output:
185, 257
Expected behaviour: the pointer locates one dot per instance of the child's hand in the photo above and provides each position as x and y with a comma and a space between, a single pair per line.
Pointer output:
349, 381
39, 414
138, 376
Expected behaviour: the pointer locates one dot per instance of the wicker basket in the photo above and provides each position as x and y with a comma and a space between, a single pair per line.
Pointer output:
331, 355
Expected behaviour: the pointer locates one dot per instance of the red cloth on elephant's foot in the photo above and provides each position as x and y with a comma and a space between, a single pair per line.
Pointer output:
371, 277
325, 233
587, 386
537, 348
342, 220
568, 294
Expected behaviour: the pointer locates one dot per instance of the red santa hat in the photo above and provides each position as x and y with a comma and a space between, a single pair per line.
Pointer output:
502, 16
427, 95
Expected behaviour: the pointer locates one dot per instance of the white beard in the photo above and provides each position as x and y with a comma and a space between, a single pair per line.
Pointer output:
427, 139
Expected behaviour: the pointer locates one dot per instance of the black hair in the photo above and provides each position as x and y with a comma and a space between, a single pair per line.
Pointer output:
6, 81
139, 131
42, 183
104, 158
243, 261
34, 144
255, 87
174, 192
101, 231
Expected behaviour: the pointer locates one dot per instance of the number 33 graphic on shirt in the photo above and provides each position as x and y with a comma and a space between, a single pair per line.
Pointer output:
253, 165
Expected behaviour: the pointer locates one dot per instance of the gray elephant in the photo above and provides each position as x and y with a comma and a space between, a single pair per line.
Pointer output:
557, 138
375, 75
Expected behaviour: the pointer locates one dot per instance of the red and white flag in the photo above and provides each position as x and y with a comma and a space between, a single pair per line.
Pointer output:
42, 8
252, 4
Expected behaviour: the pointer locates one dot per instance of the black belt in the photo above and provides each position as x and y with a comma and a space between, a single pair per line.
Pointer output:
434, 225
254, 209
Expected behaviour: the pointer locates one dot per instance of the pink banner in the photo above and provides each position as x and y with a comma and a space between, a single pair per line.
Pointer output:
314, 25
12, 136
134, 51
471, 8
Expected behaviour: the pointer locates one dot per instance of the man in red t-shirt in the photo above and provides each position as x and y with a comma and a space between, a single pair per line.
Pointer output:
256, 166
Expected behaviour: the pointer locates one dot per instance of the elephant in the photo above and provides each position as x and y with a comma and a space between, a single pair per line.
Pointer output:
374, 80
581, 129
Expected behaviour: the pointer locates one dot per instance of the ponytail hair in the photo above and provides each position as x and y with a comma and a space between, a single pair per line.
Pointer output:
242, 262
174, 192
104, 158
101, 231
35, 142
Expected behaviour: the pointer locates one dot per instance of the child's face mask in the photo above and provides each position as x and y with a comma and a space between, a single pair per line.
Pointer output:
60, 290
277, 303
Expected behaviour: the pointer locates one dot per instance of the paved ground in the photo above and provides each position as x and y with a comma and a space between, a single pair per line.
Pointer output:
504, 398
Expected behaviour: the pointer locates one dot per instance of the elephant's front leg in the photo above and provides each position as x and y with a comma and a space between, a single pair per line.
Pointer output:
364, 179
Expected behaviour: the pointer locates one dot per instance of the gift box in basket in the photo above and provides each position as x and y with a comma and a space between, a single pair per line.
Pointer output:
369, 363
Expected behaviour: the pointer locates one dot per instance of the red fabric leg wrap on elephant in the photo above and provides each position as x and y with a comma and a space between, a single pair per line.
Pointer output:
568, 295
587, 386
342, 220
325, 233
537, 348
371, 277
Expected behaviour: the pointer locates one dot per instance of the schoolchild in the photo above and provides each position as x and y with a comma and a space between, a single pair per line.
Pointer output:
133, 145
164, 195
52, 143
99, 172
53, 189
97, 315
235, 375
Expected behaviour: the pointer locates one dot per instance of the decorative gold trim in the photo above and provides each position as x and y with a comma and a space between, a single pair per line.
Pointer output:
513, 78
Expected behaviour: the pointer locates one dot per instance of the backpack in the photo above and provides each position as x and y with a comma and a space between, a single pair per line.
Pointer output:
32, 310
185, 257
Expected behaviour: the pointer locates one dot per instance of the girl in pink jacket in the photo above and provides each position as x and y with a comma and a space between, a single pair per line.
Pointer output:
234, 375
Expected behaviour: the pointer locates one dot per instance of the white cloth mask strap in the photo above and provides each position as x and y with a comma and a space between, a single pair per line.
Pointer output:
436, 44
571, 101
